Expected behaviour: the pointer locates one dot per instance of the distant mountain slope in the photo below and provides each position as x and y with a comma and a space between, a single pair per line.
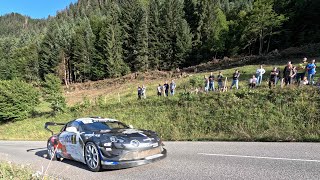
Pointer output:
15, 24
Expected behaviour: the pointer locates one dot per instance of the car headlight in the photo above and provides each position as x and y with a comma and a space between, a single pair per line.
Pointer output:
113, 139
135, 143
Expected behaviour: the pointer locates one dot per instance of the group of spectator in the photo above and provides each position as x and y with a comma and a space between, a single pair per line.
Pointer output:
142, 92
301, 74
209, 81
162, 90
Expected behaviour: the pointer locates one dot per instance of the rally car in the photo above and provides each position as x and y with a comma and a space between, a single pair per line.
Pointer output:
102, 143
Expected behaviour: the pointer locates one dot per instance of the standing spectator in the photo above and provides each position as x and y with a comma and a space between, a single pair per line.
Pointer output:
259, 74
301, 70
211, 82
287, 73
144, 89
253, 81
139, 92
172, 87
311, 68
220, 80
166, 90
206, 84
159, 89
273, 77
235, 79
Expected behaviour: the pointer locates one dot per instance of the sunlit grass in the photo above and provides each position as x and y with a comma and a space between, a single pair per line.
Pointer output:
289, 114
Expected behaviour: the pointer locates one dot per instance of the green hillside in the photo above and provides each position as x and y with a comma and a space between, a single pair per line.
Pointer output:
288, 114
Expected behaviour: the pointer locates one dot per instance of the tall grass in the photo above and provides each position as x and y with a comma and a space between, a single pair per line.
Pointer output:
10, 171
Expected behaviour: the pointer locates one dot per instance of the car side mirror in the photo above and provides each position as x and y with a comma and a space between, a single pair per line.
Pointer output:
130, 126
72, 129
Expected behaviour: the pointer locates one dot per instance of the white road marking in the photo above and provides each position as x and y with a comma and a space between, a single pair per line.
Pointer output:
260, 157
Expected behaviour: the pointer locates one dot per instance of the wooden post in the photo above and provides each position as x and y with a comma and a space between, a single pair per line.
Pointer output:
119, 97
225, 88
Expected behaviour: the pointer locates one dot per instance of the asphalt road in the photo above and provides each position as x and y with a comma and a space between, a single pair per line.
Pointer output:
188, 160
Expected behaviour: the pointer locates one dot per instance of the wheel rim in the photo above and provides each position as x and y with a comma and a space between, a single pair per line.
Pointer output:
92, 156
50, 150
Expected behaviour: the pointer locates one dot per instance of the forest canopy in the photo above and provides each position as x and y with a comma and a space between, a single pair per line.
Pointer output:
97, 39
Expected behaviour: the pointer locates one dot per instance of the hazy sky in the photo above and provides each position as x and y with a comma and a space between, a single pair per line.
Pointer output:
34, 8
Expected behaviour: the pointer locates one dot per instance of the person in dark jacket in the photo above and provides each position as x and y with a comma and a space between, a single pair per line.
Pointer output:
287, 73
167, 87
235, 79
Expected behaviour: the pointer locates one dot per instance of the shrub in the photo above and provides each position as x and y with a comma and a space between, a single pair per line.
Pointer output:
53, 93
17, 99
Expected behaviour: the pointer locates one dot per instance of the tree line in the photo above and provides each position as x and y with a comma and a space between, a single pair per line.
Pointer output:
97, 39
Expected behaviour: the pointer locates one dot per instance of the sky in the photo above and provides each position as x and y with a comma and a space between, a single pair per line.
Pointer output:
34, 8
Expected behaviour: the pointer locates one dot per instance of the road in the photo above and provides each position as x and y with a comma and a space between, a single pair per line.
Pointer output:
188, 160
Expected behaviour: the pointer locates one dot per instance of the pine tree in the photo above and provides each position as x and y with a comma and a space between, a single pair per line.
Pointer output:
175, 35
211, 28
129, 21
111, 44
142, 62
83, 49
49, 51
154, 31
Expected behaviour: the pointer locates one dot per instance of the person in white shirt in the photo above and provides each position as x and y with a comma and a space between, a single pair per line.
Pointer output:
259, 74
253, 81
304, 81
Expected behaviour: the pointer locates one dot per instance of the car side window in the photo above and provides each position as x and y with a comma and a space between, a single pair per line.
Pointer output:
75, 124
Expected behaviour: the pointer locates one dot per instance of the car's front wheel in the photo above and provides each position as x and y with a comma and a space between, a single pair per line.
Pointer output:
92, 157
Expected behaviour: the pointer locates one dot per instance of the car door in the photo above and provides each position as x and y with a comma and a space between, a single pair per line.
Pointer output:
70, 140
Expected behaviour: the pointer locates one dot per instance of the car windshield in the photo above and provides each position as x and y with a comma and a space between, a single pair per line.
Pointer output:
98, 126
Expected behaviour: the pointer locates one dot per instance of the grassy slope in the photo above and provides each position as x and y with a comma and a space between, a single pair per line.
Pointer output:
262, 114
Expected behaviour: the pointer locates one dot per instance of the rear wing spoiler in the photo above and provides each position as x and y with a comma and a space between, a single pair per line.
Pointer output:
52, 124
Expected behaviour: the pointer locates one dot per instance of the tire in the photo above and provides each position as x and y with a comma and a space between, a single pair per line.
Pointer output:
51, 151
92, 157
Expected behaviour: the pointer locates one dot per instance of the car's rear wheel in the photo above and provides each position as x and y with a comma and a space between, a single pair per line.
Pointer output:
51, 151
92, 157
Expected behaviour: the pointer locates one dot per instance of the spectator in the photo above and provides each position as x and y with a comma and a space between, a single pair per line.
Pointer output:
311, 68
206, 84
139, 92
301, 70
235, 79
253, 81
166, 90
287, 73
278, 77
159, 89
304, 81
220, 80
273, 77
211, 82
259, 74
143, 89
172, 87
